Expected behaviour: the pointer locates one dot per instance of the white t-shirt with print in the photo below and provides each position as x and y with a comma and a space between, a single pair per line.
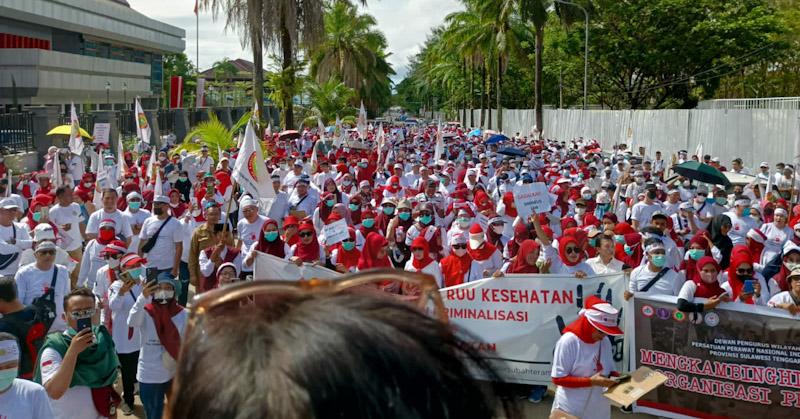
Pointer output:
72, 215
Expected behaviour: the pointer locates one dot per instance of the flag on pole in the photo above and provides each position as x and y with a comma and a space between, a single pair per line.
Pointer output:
196, 6
142, 127
361, 125
57, 181
158, 188
239, 140
699, 152
122, 167
75, 140
249, 171
320, 127
150, 165
314, 159
437, 155
99, 184
381, 137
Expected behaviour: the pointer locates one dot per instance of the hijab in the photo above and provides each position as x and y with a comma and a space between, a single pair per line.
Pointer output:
275, 248
691, 266
705, 290
562, 250
739, 256
521, 233
307, 252
324, 209
166, 330
721, 241
455, 267
508, 201
369, 254
421, 243
348, 258
521, 265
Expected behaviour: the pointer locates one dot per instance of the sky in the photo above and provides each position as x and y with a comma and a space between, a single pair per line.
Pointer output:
405, 23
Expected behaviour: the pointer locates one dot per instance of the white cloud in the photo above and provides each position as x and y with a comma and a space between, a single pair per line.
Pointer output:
405, 23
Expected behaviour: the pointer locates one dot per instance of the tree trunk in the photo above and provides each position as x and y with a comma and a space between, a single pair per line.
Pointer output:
489, 98
464, 98
538, 80
483, 89
497, 95
288, 91
471, 97
258, 76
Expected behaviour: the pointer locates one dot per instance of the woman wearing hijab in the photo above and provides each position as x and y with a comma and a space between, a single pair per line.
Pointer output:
375, 253
393, 188
290, 225
269, 242
387, 212
425, 227
307, 249
39, 212
570, 257
396, 233
704, 285
521, 233
227, 274
421, 261
176, 207
368, 216
507, 210
789, 300
338, 196
487, 259
743, 283
698, 248
525, 260
456, 267
344, 256
494, 233
776, 234
718, 240
355, 210
326, 203
583, 360
632, 250
620, 230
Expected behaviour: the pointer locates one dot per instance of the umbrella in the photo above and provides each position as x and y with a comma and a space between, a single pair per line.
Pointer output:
475, 133
511, 151
701, 172
330, 129
289, 134
67, 130
497, 138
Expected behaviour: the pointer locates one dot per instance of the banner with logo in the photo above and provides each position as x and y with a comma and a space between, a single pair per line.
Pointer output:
270, 267
517, 319
737, 361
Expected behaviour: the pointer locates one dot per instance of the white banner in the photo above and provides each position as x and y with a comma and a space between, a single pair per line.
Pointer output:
532, 198
335, 232
271, 267
101, 132
517, 319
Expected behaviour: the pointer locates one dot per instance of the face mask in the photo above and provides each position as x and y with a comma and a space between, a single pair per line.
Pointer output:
183, 178
593, 242
362, 165
425, 219
791, 265
746, 212
163, 296
7, 377
587, 196
463, 222
651, 195
113, 263
721, 200
134, 205
404, 216
498, 229
109, 162
348, 246
459, 252
330, 202
353, 207
619, 238
106, 235
37, 216
658, 260
271, 236
696, 254
135, 273
87, 185
580, 210
628, 250
347, 182
388, 210
368, 222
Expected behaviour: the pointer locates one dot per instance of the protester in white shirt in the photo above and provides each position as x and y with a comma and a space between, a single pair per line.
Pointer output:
605, 262
109, 211
422, 262
165, 254
644, 210
249, 227
92, 261
136, 215
14, 239
741, 222
204, 163
67, 216
789, 300
643, 278
161, 322
19, 399
42, 277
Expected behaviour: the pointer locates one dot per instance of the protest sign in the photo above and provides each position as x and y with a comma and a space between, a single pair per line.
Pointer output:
734, 361
335, 232
532, 198
270, 267
101, 132
517, 319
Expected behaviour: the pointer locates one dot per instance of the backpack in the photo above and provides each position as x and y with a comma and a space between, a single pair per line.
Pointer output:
31, 333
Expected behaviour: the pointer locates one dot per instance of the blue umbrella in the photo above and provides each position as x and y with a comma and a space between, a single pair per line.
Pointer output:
511, 151
330, 129
475, 133
497, 138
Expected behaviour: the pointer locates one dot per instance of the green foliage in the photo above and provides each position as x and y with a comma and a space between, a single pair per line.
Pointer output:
179, 65
329, 100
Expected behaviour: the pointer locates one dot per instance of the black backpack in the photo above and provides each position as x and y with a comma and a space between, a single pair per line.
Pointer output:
31, 333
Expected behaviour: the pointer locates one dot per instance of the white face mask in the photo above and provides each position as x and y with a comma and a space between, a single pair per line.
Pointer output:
163, 296
459, 252
580, 211
497, 229
587, 196
791, 265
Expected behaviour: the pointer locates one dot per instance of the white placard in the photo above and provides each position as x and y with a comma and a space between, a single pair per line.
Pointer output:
335, 232
532, 198
101, 132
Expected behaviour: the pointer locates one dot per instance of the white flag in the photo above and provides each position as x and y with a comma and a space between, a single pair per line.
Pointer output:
699, 152
75, 140
314, 159
380, 140
320, 128
437, 155
249, 170
149, 175
100, 184
362, 122
122, 167
142, 127
158, 188
57, 181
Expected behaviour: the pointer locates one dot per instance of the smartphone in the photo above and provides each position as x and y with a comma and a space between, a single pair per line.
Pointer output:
748, 287
621, 379
84, 324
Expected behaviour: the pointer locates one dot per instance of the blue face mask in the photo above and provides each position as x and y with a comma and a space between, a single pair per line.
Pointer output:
425, 219
134, 205
593, 242
353, 207
696, 254
368, 222
348, 246
628, 250
746, 212
388, 210
7, 377
271, 236
404, 216
619, 238
37, 216
330, 202
659, 260
135, 273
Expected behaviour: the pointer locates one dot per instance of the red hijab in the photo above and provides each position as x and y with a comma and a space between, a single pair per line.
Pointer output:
740, 255
521, 265
454, 268
166, 330
508, 201
421, 243
689, 265
369, 254
324, 209
307, 252
40, 200
275, 248
368, 213
562, 247
521, 233
348, 258
705, 290
482, 253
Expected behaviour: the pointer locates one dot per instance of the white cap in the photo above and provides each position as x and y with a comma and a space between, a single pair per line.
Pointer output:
249, 202
764, 164
9, 203
45, 245
133, 195
161, 199
43, 231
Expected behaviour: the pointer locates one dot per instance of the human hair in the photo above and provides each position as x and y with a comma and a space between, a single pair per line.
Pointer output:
109, 190
8, 289
77, 292
604, 238
61, 190
341, 356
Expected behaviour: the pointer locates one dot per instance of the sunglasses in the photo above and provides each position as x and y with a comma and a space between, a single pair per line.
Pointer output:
306, 234
571, 250
702, 194
744, 271
417, 249
459, 246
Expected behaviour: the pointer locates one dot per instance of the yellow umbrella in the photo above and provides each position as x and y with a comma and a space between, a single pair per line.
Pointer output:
67, 130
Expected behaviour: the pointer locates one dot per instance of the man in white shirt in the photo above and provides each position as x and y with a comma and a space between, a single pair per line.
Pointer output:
76, 168
67, 215
741, 222
291, 178
13, 238
301, 202
323, 175
605, 262
204, 163
44, 277
280, 205
763, 173
643, 211
672, 206
136, 216
109, 210
19, 399
643, 278
249, 227
165, 254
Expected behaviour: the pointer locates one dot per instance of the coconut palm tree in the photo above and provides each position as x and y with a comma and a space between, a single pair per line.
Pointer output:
329, 100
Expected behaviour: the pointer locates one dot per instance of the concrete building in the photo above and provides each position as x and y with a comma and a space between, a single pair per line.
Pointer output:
87, 51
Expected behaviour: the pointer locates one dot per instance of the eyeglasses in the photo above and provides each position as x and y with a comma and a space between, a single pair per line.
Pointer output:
417, 249
744, 271
47, 252
570, 250
417, 289
459, 246
702, 194
306, 234
82, 314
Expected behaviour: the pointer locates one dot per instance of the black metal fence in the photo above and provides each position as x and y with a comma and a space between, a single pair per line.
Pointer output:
166, 121
16, 132
126, 122
85, 121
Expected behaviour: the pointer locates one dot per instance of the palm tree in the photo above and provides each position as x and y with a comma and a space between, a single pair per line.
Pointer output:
329, 100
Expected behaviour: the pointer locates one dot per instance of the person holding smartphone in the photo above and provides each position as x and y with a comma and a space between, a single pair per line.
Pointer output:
742, 282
